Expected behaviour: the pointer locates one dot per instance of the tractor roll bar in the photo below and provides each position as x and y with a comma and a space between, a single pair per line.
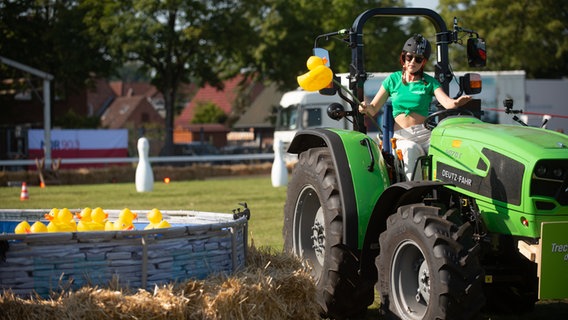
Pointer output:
358, 75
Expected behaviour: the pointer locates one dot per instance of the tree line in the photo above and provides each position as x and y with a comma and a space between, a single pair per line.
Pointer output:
208, 41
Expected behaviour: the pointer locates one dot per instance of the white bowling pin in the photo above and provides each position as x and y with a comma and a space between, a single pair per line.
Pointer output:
144, 174
279, 171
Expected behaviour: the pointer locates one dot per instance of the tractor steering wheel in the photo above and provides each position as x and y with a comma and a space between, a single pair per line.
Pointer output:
430, 123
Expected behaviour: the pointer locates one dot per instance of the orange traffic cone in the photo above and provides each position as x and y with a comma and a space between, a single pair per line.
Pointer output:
24, 194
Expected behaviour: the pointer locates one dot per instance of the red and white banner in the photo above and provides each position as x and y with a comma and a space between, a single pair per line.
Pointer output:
111, 143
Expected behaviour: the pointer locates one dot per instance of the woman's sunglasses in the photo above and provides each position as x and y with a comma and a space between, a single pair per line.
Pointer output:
408, 57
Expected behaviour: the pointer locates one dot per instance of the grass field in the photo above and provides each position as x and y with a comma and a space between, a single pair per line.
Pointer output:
212, 195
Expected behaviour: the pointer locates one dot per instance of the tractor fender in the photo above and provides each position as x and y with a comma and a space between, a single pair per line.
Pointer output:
397, 195
318, 137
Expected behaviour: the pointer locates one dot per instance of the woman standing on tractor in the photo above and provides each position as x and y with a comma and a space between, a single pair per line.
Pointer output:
411, 91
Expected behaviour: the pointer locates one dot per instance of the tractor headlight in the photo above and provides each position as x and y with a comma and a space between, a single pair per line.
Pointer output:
557, 173
549, 180
541, 171
551, 170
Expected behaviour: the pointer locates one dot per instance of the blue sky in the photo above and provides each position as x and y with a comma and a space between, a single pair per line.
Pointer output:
430, 4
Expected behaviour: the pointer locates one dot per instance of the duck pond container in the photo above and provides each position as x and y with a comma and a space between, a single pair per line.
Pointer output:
197, 244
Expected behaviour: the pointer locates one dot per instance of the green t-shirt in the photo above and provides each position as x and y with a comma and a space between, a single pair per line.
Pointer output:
411, 97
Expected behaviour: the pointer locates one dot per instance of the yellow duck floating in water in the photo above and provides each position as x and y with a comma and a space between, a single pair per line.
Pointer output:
99, 216
87, 222
85, 214
38, 227
156, 220
127, 215
22, 228
120, 224
51, 214
125, 221
61, 221
84, 218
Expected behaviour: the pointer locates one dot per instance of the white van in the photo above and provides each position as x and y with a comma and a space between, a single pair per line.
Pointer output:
300, 110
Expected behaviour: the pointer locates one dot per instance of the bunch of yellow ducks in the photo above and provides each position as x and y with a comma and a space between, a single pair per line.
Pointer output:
63, 220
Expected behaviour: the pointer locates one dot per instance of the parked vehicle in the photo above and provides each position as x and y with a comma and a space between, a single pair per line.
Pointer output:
300, 110
239, 150
195, 149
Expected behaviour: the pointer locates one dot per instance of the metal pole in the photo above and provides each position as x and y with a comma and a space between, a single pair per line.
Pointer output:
47, 122
46, 101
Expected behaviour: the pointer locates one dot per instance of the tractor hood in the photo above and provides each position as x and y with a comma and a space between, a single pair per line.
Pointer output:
519, 171
514, 140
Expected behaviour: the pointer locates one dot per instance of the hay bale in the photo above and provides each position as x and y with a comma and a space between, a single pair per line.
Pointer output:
261, 296
272, 286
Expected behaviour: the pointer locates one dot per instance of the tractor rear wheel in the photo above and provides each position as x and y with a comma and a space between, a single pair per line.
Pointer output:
428, 266
313, 230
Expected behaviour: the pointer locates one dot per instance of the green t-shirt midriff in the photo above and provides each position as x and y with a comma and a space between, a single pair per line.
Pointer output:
413, 96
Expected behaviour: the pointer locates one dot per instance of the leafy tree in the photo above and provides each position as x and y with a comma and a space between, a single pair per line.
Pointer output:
208, 112
180, 41
525, 34
208, 41
284, 33
50, 36
133, 72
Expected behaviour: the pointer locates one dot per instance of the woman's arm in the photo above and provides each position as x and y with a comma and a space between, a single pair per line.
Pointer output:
376, 104
448, 102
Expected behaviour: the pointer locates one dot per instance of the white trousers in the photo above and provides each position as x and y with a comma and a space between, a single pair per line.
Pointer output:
413, 142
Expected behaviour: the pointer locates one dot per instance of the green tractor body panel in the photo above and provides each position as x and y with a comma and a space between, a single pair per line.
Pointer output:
368, 173
515, 173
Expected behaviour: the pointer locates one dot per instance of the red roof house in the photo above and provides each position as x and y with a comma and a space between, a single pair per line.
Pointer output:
224, 99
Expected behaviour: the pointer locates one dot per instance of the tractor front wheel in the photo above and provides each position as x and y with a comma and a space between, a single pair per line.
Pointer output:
428, 266
313, 230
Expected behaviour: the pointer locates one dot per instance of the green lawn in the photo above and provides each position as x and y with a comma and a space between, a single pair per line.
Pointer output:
213, 195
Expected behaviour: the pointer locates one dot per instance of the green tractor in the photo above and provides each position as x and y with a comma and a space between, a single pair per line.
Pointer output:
485, 228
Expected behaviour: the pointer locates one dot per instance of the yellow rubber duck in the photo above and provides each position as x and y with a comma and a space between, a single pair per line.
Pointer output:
52, 213
156, 220
120, 224
22, 228
127, 215
319, 76
99, 216
163, 224
62, 221
38, 227
125, 221
50, 216
66, 216
124, 224
109, 226
84, 215
86, 222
